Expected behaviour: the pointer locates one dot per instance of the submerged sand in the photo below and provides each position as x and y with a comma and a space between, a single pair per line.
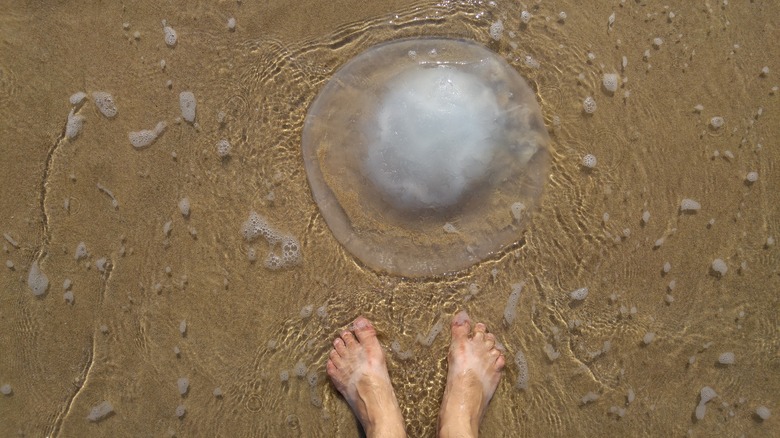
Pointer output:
246, 325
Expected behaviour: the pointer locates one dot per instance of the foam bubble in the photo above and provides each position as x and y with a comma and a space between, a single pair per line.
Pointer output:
105, 103
223, 148
717, 122
100, 411
589, 161
145, 137
285, 250
256, 226
701, 409
171, 38
81, 251
727, 358
187, 104
184, 207
610, 82
37, 281
689, 205
449, 228
101, 264
496, 29
589, 105
551, 353
763, 413
707, 394
589, 397
181, 410
73, 127
428, 339
522, 371
719, 266
517, 210
312, 378
510, 310
6, 389
184, 385
579, 294
10, 240
77, 98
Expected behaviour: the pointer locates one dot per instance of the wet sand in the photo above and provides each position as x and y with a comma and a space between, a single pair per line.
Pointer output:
245, 323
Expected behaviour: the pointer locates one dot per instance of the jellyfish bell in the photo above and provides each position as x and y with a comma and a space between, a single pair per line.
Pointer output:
428, 113
414, 134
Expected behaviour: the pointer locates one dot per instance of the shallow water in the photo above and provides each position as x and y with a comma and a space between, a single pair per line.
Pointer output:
244, 322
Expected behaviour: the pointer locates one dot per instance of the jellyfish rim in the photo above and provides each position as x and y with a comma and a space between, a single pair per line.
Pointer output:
345, 221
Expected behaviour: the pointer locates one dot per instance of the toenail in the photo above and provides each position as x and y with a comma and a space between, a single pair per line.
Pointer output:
461, 318
360, 323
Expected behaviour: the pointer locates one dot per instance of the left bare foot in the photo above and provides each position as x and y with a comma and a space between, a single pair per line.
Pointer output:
358, 369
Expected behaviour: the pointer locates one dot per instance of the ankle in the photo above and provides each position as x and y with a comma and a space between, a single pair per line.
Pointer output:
384, 419
386, 429
459, 429
457, 423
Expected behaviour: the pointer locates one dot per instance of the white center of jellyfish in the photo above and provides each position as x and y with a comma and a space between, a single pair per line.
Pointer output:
435, 137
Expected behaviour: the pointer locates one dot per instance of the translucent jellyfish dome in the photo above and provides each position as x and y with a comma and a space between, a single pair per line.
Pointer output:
426, 156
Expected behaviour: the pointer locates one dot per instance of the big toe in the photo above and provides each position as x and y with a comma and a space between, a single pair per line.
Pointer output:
460, 326
364, 330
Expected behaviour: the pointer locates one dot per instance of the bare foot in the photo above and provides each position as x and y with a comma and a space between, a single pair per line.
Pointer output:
474, 369
358, 369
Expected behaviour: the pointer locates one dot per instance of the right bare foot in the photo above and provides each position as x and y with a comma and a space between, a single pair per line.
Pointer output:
358, 369
474, 370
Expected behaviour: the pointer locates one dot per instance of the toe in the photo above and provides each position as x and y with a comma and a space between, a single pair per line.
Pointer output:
500, 362
364, 330
490, 340
334, 357
338, 345
348, 338
331, 368
460, 326
479, 332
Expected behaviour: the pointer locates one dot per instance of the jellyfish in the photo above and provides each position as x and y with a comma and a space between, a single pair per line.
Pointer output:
412, 135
